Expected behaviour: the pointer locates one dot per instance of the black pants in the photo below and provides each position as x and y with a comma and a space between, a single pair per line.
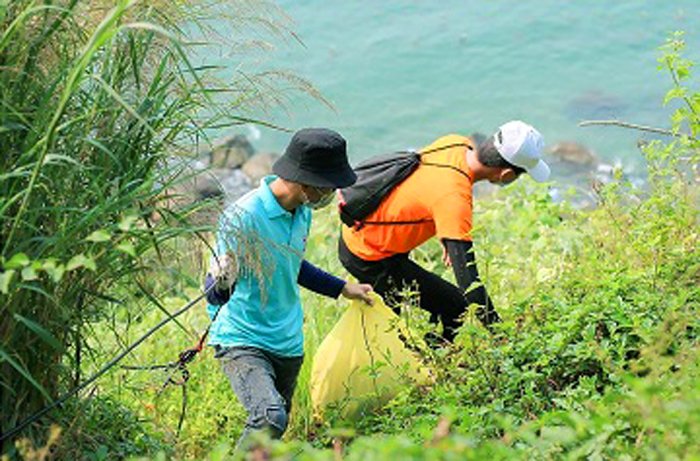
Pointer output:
390, 276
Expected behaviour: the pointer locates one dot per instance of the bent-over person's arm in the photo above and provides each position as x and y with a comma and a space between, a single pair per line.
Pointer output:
461, 254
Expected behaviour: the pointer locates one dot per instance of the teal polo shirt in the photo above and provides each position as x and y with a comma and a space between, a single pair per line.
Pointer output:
265, 309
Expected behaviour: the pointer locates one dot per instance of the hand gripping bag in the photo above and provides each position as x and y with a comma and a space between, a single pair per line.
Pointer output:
363, 362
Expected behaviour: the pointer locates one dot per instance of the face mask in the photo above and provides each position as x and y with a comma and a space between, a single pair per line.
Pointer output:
324, 201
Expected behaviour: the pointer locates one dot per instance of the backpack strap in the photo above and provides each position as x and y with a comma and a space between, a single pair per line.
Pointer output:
448, 146
463, 173
441, 165
360, 224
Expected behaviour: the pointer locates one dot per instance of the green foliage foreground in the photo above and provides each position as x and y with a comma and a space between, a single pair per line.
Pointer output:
97, 100
598, 354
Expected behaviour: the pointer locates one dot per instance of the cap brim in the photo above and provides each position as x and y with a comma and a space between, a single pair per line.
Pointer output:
540, 172
334, 179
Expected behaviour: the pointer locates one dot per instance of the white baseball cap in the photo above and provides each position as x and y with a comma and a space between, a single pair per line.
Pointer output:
521, 145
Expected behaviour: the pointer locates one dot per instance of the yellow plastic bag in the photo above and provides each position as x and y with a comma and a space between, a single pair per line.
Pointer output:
363, 362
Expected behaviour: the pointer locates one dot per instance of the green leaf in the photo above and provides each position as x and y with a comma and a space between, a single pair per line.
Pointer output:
674, 93
677, 119
128, 248
41, 332
5, 357
57, 159
127, 223
29, 273
54, 270
17, 261
559, 434
12, 126
5, 279
81, 260
102, 452
99, 236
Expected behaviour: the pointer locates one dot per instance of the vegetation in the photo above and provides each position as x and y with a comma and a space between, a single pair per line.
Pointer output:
97, 99
598, 355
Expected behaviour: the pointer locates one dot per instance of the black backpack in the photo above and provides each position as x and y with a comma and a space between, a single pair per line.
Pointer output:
378, 176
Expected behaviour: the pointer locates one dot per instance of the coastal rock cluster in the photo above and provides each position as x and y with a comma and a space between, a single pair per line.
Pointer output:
573, 165
227, 171
232, 167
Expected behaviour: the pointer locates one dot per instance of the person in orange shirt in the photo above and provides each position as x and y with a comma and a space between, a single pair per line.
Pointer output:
436, 200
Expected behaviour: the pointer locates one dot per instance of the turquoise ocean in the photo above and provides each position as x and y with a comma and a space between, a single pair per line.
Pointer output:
401, 73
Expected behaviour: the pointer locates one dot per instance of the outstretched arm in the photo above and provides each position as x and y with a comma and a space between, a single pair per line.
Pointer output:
310, 277
321, 282
461, 256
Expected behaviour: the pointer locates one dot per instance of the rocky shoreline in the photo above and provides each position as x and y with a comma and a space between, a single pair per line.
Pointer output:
232, 167
227, 171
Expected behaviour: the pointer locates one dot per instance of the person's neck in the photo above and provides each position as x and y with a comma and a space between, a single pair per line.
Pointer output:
287, 193
478, 170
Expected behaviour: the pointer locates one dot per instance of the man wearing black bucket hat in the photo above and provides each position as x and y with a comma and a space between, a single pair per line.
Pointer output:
257, 332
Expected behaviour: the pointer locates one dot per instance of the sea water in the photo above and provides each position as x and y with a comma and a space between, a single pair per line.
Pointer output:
399, 74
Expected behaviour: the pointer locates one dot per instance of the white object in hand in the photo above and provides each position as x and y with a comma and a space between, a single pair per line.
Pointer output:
224, 269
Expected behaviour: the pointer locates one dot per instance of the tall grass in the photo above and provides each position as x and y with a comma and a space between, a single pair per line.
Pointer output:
95, 97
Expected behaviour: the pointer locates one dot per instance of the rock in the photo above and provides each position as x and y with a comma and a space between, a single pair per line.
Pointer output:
595, 104
231, 153
259, 166
483, 189
183, 165
221, 182
573, 153
190, 181
195, 181
176, 182
207, 184
235, 185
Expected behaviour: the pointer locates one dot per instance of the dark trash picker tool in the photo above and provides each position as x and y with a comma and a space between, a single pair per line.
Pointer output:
179, 374
180, 365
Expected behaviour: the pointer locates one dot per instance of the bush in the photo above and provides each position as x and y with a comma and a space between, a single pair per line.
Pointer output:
97, 97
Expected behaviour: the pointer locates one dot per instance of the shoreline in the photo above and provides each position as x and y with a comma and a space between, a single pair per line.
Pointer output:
231, 166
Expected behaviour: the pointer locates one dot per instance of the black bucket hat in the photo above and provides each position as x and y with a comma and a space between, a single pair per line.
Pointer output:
316, 157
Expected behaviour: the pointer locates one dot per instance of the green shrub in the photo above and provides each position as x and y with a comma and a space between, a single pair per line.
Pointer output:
597, 356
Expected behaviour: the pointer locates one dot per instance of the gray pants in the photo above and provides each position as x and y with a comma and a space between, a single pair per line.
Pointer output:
264, 383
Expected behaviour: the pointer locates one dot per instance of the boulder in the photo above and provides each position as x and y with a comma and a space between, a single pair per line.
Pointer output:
595, 104
236, 184
207, 184
221, 182
231, 152
195, 182
177, 182
573, 153
182, 165
259, 166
